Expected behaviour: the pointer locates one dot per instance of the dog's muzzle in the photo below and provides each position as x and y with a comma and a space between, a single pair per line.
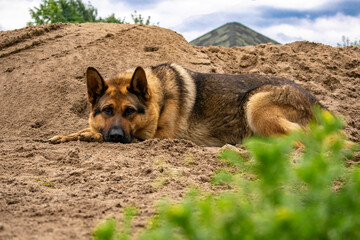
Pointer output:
117, 134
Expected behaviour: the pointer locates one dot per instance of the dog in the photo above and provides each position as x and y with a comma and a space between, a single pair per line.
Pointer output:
169, 101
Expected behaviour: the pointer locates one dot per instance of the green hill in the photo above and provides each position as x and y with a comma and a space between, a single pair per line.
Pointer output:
230, 35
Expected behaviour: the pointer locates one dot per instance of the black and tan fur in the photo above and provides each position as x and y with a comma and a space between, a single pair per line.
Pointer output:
169, 101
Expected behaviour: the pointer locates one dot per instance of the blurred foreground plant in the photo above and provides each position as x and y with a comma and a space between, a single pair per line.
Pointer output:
291, 194
107, 229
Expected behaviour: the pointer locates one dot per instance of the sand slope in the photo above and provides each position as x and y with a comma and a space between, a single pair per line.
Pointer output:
62, 191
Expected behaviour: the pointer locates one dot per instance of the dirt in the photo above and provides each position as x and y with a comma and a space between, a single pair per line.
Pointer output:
62, 191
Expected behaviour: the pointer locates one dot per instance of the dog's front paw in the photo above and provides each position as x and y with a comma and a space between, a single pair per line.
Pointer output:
84, 135
62, 139
91, 137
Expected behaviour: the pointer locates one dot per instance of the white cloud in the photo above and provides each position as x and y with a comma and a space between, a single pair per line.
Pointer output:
107, 7
15, 14
299, 5
171, 13
327, 30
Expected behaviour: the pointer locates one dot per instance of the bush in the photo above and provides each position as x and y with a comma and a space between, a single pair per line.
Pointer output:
280, 193
53, 11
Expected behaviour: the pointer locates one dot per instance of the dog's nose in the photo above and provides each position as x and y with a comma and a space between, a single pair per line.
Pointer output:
116, 135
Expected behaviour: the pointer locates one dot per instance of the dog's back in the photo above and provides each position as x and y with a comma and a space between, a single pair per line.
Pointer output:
228, 108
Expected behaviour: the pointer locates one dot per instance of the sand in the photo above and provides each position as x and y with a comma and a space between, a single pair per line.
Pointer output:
62, 191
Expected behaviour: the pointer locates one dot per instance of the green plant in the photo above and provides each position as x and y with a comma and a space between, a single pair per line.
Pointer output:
112, 19
139, 19
107, 229
136, 19
278, 193
52, 11
346, 42
46, 182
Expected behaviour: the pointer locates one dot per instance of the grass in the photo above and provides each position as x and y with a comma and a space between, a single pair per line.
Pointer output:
166, 172
46, 182
277, 193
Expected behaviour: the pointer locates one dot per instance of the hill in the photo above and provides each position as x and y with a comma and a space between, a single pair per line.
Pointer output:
231, 35
62, 191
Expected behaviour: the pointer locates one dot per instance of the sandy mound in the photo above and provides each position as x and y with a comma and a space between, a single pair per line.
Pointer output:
62, 191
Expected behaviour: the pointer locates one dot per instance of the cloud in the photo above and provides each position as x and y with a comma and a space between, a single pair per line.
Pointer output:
326, 29
271, 15
107, 7
137, 4
15, 14
346, 7
124, 9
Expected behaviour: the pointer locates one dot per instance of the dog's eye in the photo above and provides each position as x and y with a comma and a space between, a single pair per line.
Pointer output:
108, 110
128, 111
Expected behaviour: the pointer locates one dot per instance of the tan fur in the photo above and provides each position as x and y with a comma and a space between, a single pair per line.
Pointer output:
267, 118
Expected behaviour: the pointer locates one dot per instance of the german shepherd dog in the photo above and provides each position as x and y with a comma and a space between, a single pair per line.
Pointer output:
169, 101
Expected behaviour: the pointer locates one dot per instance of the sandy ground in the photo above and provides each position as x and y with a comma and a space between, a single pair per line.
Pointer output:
62, 191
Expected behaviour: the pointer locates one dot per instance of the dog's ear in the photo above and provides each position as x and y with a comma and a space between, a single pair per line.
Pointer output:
139, 84
96, 85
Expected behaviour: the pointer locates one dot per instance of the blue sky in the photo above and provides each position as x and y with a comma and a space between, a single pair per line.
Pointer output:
324, 21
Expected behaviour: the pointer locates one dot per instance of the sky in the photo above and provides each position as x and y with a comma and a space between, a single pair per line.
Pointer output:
285, 21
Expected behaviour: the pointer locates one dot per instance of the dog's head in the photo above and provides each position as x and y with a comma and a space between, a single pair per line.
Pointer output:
118, 105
